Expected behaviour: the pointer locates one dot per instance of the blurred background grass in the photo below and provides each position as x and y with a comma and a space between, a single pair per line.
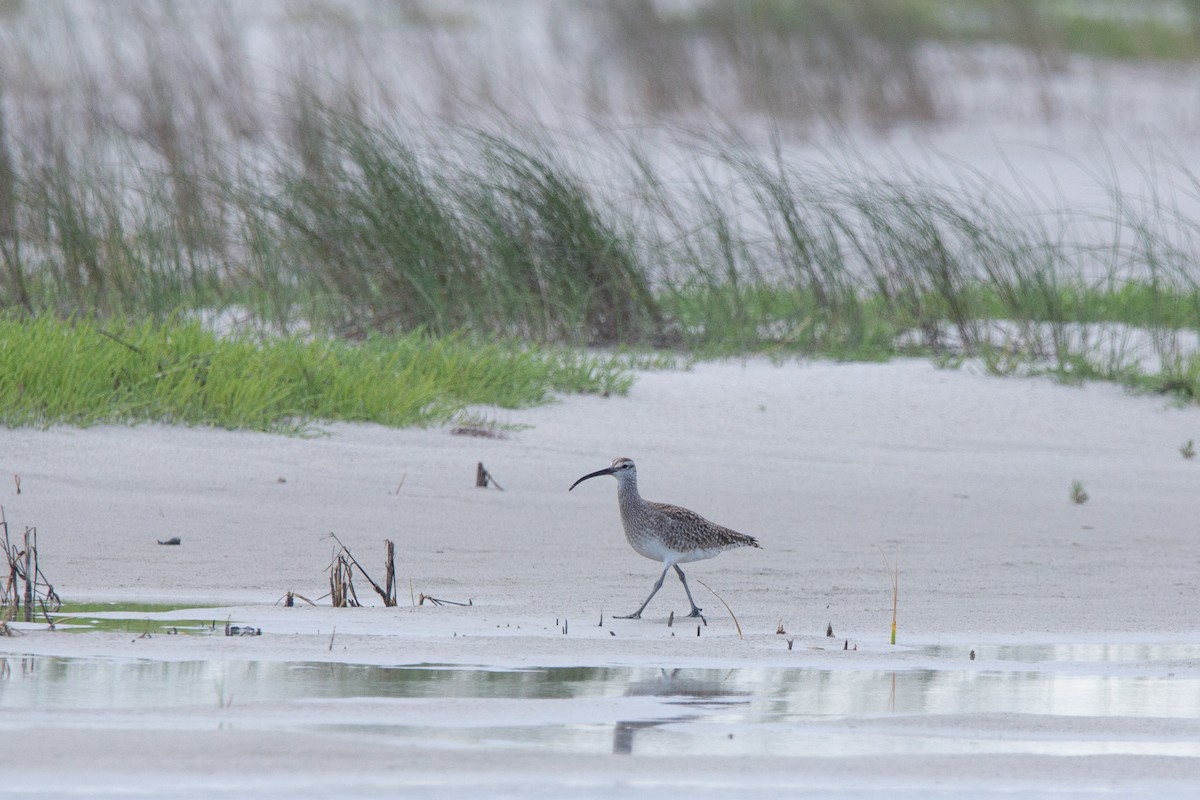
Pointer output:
570, 175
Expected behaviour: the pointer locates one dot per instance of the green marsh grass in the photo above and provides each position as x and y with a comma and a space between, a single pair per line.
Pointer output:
488, 233
341, 219
846, 263
136, 618
84, 373
508, 243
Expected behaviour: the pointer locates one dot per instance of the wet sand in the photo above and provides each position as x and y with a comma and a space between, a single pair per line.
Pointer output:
959, 478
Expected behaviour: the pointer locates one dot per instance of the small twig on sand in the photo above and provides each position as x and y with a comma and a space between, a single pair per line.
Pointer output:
736, 624
389, 579
30, 555
290, 598
439, 602
25, 584
341, 585
46, 613
388, 595
483, 478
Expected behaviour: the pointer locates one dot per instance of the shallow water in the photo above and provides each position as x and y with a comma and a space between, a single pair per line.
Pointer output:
1079, 705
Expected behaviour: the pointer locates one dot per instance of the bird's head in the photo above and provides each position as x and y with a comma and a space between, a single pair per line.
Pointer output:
623, 469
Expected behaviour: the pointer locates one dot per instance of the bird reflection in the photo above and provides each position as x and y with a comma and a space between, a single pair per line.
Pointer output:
698, 690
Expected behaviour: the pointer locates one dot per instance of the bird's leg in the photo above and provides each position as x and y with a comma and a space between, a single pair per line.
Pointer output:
657, 585
695, 608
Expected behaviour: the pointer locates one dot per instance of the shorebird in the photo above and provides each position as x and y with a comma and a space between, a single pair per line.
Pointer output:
666, 533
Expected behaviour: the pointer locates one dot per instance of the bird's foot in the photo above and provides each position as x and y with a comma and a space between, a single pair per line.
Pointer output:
636, 615
696, 612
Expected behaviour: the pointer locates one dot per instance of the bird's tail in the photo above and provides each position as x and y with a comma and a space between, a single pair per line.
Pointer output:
747, 541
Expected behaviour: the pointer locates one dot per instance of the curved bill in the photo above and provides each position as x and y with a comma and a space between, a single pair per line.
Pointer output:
596, 474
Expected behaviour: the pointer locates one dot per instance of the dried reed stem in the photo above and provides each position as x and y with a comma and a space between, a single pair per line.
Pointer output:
736, 624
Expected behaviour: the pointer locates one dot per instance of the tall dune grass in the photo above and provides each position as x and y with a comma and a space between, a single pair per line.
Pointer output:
157, 185
491, 234
507, 236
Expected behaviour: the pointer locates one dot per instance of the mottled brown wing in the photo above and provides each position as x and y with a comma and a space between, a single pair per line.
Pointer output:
687, 530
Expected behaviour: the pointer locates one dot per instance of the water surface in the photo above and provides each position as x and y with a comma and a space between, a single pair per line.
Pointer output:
1046, 699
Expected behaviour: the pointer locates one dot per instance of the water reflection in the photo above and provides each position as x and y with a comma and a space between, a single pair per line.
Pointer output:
701, 689
586, 709
1093, 653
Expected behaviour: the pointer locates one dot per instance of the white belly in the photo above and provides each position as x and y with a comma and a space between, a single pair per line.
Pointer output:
654, 549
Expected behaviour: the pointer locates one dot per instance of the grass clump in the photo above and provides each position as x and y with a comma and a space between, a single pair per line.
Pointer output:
488, 233
83, 373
